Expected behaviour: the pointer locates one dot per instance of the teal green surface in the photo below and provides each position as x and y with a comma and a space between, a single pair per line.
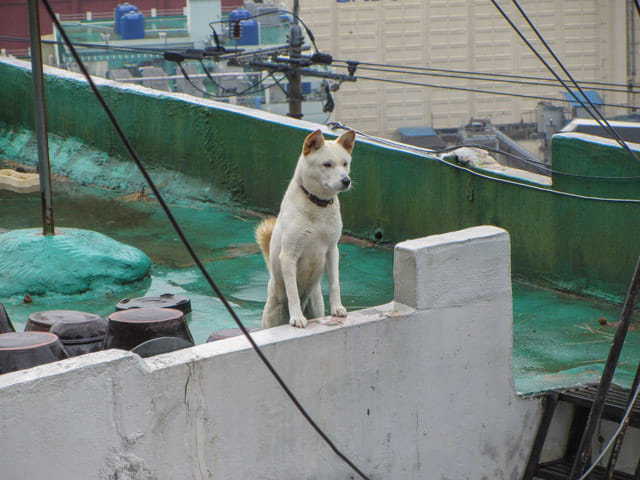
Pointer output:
581, 245
222, 238
588, 246
71, 262
558, 338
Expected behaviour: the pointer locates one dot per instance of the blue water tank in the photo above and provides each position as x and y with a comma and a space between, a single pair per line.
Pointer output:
250, 32
120, 10
132, 26
238, 14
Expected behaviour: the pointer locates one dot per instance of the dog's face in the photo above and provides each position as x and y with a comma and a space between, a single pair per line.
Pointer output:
327, 163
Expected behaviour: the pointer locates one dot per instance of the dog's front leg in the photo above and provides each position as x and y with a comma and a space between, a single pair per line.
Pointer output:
288, 263
333, 259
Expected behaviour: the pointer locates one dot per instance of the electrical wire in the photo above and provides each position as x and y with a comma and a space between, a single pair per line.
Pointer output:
614, 436
273, 12
247, 91
487, 74
463, 74
431, 154
103, 46
541, 165
231, 93
472, 76
619, 139
475, 90
190, 249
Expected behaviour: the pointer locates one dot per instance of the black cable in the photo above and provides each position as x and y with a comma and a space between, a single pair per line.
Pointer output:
231, 93
465, 89
103, 46
467, 72
405, 69
541, 165
188, 246
273, 12
618, 138
473, 77
430, 154
622, 143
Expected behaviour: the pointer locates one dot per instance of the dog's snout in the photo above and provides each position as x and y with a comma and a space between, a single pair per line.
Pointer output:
346, 181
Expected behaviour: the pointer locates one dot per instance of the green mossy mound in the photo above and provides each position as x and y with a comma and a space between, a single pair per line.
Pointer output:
72, 261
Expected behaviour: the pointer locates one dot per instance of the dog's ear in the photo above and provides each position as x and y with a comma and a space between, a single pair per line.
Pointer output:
347, 140
313, 142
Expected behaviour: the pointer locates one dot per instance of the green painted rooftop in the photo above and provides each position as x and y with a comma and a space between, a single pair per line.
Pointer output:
559, 339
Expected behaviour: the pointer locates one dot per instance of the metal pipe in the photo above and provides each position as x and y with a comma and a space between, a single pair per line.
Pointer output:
615, 452
294, 77
40, 119
584, 450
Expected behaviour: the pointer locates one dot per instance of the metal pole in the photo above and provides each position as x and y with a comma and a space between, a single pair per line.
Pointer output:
631, 53
584, 450
294, 77
40, 119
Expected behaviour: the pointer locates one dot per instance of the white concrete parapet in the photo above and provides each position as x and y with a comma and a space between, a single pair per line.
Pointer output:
452, 269
419, 388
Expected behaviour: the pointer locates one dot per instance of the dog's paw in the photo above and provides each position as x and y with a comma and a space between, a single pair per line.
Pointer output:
298, 321
339, 311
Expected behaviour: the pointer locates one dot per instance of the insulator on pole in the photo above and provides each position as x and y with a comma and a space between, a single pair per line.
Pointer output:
236, 30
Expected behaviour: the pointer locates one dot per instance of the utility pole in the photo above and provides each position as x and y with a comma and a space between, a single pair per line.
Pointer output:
631, 53
40, 119
293, 75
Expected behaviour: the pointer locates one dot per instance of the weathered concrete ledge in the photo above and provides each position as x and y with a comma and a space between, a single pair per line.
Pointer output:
419, 388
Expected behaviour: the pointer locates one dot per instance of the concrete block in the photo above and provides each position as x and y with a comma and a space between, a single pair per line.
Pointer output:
453, 269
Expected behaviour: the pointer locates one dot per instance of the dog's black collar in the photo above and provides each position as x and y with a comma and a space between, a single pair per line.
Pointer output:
318, 201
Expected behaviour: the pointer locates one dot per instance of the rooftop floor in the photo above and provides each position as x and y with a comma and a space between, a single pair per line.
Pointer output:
559, 339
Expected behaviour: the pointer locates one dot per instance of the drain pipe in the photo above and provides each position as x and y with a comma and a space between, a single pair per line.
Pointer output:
40, 119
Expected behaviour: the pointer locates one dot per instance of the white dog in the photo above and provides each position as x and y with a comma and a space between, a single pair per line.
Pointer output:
303, 239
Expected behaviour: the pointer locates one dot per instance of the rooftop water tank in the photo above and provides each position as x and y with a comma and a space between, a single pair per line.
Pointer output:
238, 14
132, 26
250, 26
250, 32
120, 10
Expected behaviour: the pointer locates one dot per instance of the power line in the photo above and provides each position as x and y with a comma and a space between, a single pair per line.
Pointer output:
102, 46
274, 12
468, 72
190, 249
618, 138
535, 52
474, 76
250, 90
475, 90
431, 154
541, 165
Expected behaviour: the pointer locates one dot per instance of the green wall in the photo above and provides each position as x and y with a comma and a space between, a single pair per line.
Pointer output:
592, 168
583, 245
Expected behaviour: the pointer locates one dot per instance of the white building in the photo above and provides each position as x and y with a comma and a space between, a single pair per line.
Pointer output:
589, 36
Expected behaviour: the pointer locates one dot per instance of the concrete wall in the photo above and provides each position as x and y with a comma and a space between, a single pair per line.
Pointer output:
580, 244
418, 388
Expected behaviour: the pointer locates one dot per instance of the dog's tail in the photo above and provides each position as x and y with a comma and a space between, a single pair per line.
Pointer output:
263, 236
